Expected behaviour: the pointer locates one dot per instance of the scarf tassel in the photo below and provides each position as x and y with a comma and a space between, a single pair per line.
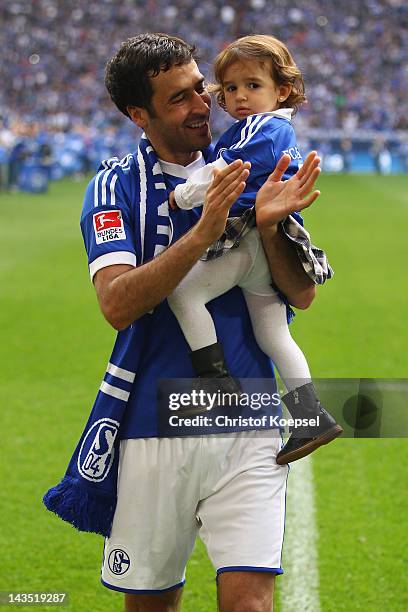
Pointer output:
86, 511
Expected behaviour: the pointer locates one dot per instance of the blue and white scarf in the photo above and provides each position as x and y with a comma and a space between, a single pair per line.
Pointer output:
86, 496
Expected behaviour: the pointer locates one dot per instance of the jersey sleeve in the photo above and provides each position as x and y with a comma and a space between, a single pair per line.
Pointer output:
106, 222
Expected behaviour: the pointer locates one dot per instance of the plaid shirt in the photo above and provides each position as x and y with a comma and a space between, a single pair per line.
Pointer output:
235, 229
313, 259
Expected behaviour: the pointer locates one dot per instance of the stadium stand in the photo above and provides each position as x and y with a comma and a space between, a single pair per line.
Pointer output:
56, 115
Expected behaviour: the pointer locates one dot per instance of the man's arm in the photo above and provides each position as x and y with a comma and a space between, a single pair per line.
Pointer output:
126, 293
274, 202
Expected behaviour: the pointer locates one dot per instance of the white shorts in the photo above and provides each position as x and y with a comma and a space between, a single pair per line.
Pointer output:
227, 489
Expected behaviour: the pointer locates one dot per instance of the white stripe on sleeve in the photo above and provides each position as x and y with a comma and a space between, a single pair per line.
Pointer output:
243, 131
112, 259
112, 189
104, 180
96, 187
254, 129
120, 372
114, 391
253, 120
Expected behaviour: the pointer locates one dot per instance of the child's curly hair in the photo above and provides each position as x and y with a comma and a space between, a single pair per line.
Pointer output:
261, 48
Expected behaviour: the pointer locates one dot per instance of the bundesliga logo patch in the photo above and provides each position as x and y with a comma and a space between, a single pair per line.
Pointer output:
108, 226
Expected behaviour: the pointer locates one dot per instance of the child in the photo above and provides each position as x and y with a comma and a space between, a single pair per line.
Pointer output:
258, 84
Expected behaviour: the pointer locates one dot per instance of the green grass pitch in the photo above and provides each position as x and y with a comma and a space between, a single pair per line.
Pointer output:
55, 345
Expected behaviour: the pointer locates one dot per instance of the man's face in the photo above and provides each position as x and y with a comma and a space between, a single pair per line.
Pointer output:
178, 125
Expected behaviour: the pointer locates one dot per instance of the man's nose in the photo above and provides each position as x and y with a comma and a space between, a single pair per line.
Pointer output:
202, 102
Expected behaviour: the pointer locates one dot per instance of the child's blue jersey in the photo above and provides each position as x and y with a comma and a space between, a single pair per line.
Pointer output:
261, 139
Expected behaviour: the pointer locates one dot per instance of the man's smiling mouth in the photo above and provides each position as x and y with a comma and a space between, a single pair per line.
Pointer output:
198, 124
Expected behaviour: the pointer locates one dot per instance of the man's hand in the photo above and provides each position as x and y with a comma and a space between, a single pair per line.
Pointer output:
277, 199
225, 188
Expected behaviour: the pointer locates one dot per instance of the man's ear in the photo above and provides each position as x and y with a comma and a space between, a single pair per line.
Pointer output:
138, 115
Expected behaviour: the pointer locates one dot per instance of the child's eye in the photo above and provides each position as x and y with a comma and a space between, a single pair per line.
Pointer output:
253, 85
230, 88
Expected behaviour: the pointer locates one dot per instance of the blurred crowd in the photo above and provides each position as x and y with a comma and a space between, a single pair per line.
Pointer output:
354, 57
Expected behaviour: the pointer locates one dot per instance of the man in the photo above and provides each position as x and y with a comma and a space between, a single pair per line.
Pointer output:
229, 488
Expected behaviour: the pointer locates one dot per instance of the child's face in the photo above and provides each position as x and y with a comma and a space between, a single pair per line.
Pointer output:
249, 88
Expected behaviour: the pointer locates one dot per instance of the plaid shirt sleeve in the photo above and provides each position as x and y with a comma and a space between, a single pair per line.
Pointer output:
313, 259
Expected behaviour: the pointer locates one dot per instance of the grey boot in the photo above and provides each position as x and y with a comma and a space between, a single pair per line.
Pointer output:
303, 403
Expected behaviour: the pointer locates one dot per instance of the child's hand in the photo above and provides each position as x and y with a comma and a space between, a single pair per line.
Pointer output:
277, 199
172, 201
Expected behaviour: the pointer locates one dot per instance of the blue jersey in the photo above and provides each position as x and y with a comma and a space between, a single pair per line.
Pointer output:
261, 139
154, 347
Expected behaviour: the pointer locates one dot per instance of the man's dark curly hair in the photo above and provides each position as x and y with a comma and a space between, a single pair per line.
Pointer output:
127, 74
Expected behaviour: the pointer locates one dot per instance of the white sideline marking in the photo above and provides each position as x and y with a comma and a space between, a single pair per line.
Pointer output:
299, 585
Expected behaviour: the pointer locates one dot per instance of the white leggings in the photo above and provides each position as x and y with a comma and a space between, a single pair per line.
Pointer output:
247, 267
